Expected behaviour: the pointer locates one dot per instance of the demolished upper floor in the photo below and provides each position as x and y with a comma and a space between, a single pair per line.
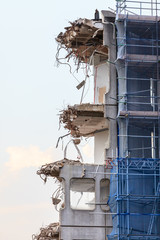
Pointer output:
84, 38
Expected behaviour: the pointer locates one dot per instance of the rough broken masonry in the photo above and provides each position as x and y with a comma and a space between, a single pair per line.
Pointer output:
118, 196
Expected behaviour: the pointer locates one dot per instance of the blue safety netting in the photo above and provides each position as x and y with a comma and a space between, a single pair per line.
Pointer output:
135, 199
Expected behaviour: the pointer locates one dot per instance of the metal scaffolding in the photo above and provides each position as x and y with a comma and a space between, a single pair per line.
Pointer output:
143, 7
135, 190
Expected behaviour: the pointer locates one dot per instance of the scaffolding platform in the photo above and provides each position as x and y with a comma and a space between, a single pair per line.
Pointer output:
135, 189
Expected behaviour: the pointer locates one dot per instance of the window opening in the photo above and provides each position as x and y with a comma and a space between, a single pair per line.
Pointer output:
82, 194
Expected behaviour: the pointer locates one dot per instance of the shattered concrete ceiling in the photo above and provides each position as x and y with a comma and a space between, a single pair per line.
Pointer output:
84, 37
53, 169
84, 119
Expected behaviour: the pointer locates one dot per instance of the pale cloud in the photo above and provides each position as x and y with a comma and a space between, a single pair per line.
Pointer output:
23, 157
7, 178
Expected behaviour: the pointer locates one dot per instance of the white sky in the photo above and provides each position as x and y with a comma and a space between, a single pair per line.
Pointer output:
32, 92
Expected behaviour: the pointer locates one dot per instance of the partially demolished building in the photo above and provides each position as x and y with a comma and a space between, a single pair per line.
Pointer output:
117, 197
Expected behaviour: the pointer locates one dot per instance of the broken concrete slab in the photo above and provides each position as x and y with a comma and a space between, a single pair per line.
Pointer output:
84, 120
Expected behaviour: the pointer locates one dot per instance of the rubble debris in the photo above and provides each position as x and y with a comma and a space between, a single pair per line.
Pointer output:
51, 232
84, 119
67, 118
53, 169
77, 141
55, 201
83, 39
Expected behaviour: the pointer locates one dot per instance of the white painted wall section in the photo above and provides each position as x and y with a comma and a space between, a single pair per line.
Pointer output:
101, 82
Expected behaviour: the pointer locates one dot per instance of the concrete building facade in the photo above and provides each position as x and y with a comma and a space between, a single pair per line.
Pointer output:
117, 197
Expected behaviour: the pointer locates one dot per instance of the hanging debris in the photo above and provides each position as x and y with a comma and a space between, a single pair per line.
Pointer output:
55, 201
58, 196
50, 232
67, 118
53, 169
82, 40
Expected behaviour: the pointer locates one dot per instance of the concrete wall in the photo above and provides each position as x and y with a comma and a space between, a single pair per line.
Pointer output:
106, 92
109, 39
84, 224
